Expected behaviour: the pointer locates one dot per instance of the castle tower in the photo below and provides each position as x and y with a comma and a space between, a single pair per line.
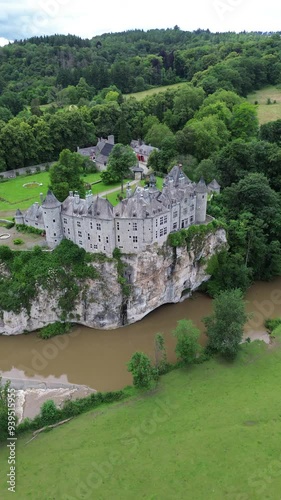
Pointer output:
201, 191
19, 218
52, 220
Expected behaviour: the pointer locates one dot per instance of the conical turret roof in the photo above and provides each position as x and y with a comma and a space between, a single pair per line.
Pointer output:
201, 186
50, 201
18, 212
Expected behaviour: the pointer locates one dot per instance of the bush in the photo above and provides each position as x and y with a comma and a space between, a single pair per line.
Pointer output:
9, 225
143, 372
187, 335
54, 329
18, 241
271, 324
49, 413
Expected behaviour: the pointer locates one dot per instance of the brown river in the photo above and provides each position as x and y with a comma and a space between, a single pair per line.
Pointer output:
97, 358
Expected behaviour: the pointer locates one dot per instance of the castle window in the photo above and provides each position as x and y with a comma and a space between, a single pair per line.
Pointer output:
165, 219
107, 239
79, 234
192, 208
175, 213
156, 222
80, 243
65, 221
161, 232
135, 226
156, 234
91, 246
78, 223
68, 231
184, 211
185, 200
89, 237
165, 230
118, 238
175, 225
98, 226
99, 239
135, 239
55, 234
117, 226
191, 219
36, 223
203, 196
95, 247
91, 225
161, 221
54, 220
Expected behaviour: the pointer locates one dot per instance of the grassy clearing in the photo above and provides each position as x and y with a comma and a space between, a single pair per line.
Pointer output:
267, 112
210, 431
141, 95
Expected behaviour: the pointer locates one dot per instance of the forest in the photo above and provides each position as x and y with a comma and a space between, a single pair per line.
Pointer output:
61, 92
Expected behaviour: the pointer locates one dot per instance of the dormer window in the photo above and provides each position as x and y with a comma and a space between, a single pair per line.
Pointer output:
134, 214
117, 214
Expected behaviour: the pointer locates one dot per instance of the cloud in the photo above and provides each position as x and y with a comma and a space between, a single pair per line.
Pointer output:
4, 41
86, 18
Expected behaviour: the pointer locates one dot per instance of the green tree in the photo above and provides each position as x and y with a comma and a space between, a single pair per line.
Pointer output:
225, 325
142, 370
65, 175
120, 160
160, 354
244, 122
157, 134
187, 335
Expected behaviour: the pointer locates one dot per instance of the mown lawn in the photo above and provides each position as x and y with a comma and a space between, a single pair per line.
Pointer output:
141, 95
14, 195
208, 432
267, 112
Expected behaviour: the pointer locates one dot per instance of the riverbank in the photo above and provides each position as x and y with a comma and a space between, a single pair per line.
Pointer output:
163, 442
97, 358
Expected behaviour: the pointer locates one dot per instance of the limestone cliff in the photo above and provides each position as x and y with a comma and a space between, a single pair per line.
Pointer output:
156, 277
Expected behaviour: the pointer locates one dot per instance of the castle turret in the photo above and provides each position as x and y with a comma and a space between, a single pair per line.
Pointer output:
52, 220
201, 191
19, 218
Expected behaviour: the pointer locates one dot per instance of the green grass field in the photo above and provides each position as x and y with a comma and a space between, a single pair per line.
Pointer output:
211, 431
13, 195
267, 112
155, 90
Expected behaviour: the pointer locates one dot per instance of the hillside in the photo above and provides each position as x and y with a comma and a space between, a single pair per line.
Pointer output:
210, 431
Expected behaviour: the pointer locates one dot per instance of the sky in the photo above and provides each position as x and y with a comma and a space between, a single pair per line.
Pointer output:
86, 18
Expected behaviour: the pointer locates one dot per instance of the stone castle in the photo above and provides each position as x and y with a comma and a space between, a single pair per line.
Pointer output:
144, 218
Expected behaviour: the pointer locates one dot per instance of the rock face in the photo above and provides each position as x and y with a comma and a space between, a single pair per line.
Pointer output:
156, 277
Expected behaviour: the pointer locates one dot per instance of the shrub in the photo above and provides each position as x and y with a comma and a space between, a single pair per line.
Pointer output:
9, 225
49, 413
18, 241
187, 335
28, 171
54, 329
271, 324
143, 372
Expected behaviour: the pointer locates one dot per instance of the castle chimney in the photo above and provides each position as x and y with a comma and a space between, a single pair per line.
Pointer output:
76, 197
71, 194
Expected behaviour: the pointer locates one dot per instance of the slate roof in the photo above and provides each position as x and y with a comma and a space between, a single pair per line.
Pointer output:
18, 212
107, 148
201, 187
51, 201
34, 213
99, 208
214, 184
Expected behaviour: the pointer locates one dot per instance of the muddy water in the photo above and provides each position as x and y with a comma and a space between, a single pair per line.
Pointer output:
98, 358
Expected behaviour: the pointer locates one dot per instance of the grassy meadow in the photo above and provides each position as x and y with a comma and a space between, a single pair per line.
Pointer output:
211, 431
267, 112
155, 90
